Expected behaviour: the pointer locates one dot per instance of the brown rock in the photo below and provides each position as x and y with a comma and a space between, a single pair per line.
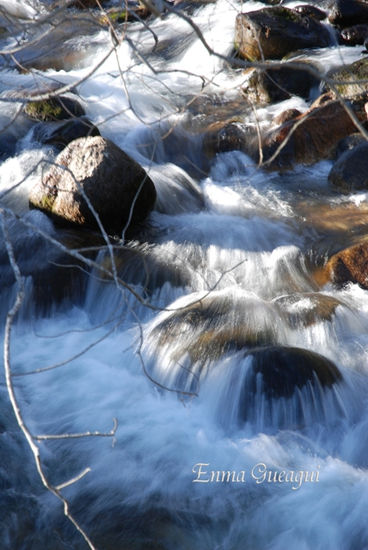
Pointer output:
285, 116
349, 265
309, 137
96, 167
271, 33
321, 308
224, 137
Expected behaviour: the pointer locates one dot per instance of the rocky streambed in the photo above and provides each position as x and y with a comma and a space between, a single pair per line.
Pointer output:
184, 190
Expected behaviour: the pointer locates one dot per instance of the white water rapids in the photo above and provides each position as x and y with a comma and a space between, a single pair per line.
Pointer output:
235, 234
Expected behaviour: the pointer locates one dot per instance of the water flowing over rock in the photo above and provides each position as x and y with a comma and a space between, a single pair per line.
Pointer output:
113, 182
308, 308
284, 369
350, 171
216, 325
227, 326
224, 137
271, 33
56, 47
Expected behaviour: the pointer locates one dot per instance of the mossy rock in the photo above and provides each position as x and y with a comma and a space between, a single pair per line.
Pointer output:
55, 108
351, 80
117, 187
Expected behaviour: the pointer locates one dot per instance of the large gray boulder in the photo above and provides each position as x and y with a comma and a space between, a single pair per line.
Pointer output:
112, 181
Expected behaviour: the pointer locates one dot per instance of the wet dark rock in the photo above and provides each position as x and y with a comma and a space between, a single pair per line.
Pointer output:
60, 134
315, 135
354, 35
232, 136
55, 108
311, 11
85, 4
348, 12
280, 83
349, 266
307, 309
350, 171
283, 370
272, 2
271, 33
349, 143
96, 167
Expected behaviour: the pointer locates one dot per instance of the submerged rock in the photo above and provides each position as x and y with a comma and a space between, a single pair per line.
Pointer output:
350, 171
271, 33
349, 266
110, 179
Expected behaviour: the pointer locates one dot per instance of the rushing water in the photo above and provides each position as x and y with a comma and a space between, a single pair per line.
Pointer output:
239, 240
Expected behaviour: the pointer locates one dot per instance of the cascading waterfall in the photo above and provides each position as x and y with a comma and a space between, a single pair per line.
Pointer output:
265, 371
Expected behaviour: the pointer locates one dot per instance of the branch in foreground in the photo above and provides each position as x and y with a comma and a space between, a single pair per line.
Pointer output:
11, 391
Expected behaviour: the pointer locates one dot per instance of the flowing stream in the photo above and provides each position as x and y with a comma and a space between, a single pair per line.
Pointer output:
225, 268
